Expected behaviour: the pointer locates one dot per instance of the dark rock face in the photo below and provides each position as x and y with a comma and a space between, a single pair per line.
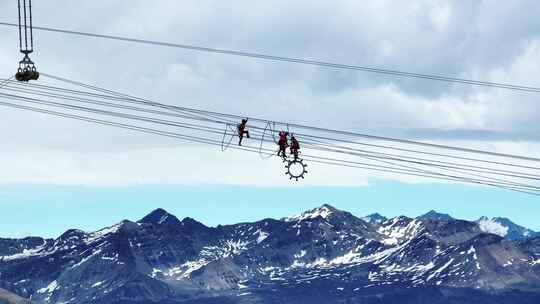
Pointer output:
12, 246
324, 255
7, 297
375, 218
160, 217
434, 215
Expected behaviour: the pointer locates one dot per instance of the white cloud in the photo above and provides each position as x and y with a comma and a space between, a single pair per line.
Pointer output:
462, 39
490, 226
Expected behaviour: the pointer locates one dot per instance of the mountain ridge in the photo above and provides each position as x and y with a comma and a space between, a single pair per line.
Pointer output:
324, 251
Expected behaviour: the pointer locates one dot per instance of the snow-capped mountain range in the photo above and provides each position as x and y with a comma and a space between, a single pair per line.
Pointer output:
323, 255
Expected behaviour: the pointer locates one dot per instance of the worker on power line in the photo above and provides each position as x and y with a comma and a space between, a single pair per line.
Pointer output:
295, 147
242, 130
283, 143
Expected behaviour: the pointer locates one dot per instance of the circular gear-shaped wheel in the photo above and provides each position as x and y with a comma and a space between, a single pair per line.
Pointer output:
296, 169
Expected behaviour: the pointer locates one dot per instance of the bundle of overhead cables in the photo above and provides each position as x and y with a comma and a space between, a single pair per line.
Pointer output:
79, 101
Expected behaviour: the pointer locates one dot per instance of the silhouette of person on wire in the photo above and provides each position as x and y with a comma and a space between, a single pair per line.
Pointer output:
242, 130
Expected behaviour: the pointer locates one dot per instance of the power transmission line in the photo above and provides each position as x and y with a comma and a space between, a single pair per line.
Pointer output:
398, 163
338, 149
311, 139
322, 160
297, 60
312, 128
378, 157
386, 155
393, 163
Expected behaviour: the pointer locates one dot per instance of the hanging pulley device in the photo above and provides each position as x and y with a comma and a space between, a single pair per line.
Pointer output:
27, 70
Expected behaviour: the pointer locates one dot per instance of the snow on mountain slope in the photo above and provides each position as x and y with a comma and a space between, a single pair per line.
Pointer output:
399, 229
162, 259
323, 212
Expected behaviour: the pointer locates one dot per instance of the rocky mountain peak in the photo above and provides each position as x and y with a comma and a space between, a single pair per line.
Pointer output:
160, 217
375, 218
190, 223
324, 212
434, 215
72, 233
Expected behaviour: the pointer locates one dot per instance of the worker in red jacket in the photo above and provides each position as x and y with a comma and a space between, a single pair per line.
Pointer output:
295, 147
283, 143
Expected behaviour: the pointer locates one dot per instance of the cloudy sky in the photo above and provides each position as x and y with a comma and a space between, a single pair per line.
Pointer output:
483, 40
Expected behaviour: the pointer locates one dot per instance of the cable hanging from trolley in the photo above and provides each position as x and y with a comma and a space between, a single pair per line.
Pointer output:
27, 70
